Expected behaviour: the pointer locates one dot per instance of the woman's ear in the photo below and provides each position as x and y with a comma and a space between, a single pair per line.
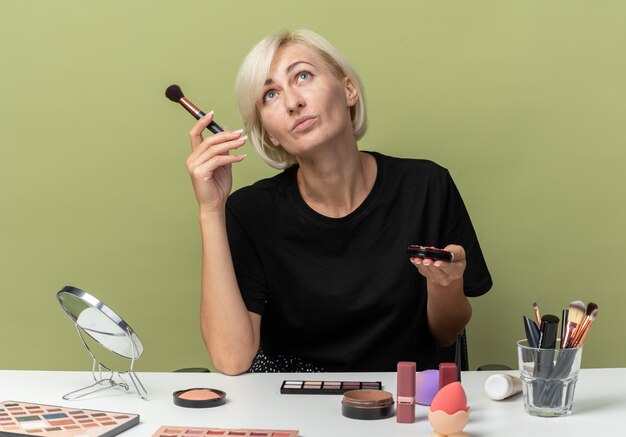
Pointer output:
352, 94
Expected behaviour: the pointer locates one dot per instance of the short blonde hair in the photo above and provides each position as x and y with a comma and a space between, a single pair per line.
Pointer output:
251, 79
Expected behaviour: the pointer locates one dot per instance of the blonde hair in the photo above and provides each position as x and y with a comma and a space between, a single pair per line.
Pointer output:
251, 79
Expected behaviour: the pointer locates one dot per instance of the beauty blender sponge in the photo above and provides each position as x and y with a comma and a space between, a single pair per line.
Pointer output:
450, 399
448, 414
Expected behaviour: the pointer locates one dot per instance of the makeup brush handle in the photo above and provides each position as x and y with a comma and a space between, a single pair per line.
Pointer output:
198, 114
532, 332
579, 334
214, 127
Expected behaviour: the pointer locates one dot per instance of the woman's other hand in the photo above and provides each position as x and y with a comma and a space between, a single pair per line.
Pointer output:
442, 273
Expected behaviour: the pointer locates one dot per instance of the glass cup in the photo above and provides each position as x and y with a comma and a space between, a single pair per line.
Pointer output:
548, 379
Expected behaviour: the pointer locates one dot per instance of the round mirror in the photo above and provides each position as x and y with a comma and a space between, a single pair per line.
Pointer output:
100, 322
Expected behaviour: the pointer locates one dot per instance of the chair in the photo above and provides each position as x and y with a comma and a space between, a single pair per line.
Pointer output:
448, 354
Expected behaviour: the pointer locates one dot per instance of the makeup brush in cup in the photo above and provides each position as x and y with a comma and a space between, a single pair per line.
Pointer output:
564, 315
532, 332
175, 94
575, 315
581, 333
537, 314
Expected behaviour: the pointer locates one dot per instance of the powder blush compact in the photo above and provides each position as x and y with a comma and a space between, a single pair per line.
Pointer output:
199, 398
367, 404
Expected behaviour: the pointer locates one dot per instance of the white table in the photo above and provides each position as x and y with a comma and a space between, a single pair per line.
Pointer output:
254, 401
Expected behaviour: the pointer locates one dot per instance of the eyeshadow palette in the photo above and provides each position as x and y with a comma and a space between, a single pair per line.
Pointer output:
327, 387
23, 418
178, 431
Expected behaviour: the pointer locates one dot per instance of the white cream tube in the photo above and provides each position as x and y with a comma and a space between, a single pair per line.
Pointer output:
501, 386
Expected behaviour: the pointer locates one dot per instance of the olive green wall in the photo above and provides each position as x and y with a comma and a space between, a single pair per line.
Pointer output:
524, 102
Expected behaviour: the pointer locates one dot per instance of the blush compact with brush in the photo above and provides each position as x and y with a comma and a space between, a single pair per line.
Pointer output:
199, 398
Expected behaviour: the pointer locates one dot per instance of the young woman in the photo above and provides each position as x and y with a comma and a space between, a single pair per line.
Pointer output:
308, 270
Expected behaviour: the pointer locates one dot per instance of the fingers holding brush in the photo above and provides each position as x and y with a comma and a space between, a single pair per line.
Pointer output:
219, 145
210, 161
195, 134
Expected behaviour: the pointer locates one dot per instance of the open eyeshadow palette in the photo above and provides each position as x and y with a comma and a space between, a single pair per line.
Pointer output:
327, 387
23, 418
177, 431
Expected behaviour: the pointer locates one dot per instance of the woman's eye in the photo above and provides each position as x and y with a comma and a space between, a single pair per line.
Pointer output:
303, 76
269, 96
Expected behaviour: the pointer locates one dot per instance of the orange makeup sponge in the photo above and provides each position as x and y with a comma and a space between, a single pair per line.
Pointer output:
451, 398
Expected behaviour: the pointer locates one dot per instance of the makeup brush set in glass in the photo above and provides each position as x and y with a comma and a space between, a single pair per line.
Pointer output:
549, 364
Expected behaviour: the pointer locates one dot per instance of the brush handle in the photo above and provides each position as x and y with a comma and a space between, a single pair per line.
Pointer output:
552, 389
563, 328
579, 335
532, 332
213, 126
198, 114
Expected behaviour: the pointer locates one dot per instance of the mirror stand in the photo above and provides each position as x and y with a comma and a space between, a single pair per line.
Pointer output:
114, 379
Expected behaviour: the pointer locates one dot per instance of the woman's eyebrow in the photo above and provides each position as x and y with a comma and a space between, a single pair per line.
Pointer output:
293, 65
288, 70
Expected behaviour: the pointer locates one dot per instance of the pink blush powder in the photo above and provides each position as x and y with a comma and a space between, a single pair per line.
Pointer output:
198, 395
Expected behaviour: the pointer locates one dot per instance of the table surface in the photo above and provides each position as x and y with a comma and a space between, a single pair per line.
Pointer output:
254, 401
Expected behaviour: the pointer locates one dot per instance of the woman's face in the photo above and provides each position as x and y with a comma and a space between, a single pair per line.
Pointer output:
303, 104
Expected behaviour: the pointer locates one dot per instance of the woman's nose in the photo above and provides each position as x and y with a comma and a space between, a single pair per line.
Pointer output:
294, 101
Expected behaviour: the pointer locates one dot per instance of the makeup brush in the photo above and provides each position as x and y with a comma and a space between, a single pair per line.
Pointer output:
581, 333
564, 315
532, 332
175, 94
537, 314
575, 315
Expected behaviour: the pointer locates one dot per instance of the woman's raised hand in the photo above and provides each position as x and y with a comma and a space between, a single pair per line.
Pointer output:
442, 272
210, 164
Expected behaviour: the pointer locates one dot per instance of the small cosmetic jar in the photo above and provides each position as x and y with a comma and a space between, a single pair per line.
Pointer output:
199, 398
367, 404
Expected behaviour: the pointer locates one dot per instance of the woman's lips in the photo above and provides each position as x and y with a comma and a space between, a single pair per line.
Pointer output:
303, 123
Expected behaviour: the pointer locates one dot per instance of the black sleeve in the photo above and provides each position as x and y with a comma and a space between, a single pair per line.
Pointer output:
248, 267
457, 229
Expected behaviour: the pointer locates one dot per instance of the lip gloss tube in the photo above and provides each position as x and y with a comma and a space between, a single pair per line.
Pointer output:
448, 372
406, 392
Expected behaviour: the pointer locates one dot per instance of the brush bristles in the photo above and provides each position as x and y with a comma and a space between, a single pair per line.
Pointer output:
576, 311
584, 329
591, 307
174, 93
537, 314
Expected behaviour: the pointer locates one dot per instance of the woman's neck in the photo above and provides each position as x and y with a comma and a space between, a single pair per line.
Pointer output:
336, 186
